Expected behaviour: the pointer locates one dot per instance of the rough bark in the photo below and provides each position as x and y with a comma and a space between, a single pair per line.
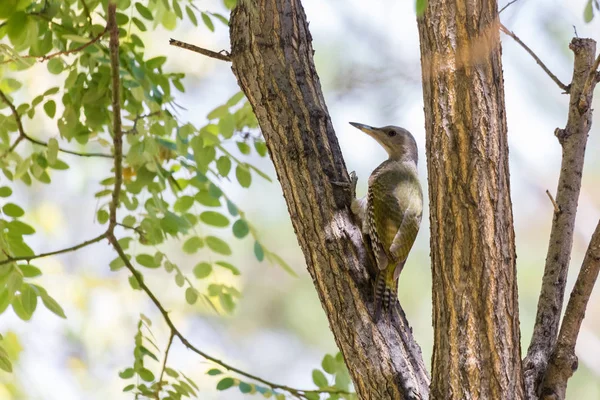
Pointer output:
272, 60
476, 351
573, 140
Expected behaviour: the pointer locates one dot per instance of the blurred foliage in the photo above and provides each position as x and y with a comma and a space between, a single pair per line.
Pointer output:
172, 170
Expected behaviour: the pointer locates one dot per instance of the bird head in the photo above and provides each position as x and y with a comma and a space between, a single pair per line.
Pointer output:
397, 142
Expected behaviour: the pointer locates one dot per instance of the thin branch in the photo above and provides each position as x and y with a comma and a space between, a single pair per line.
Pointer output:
23, 135
536, 58
556, 207
61, 53
196, 49
301, 393
138, 118
116, 110
510, 3
573, 140
52, 253
164, 365
563, 361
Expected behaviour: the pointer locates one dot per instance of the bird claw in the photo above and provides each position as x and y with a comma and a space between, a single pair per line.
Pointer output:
350, 185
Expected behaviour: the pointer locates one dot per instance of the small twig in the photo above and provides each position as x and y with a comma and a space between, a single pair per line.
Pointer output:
138, 118
164, 365
563, 361
116, 111
556, 207
510, 3
196, 49
536, 58
61, 53
52, 253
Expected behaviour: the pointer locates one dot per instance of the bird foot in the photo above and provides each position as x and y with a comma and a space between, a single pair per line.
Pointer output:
350, 185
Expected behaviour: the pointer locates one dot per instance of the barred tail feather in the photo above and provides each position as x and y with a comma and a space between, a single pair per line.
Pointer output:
386, 289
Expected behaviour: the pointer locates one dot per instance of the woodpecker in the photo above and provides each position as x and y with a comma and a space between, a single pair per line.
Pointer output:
391, 211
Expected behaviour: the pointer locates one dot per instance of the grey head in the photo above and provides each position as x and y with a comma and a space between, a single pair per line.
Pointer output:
397, 142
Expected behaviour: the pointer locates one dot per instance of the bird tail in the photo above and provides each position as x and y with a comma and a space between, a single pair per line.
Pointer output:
386, 290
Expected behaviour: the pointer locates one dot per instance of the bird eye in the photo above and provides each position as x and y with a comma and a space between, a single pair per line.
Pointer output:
392, 133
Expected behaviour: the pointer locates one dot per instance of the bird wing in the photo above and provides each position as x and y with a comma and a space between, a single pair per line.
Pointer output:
394, 215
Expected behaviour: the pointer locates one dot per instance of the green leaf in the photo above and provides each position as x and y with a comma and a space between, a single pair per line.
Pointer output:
224, 165
140, 25
144, 12
17, 227
52, 305
588, 12
202, 270
171, 372
218, 246
52, 151
240, 228
258, 251
243, 175
28, 298
225, 384
319, 378
129, 387
146, 260
260, 147
179, 280
191, 15
208, 22
13, 210
243, 147
244, 387
146, 374
102, 216
329, 364
5, 363
29, 271
228, 266
214, 218
227, 126
214, 371
50, 108
126, 374
191, 296
192, 245
236, 98
19, 309
5, 191
183, 204
421, 6
55, 66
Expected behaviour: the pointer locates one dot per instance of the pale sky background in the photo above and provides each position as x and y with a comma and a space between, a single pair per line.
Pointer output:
367, 56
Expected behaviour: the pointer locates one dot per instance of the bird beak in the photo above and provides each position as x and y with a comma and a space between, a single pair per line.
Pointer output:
365, 128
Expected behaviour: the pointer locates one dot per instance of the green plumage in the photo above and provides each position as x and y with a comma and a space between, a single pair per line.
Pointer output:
391, 213
394, 209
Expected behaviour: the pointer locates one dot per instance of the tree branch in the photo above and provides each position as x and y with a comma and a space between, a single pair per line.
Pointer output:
536, 58
300, 393
573, 140
52, 253
61, 53
164, 365
196, 49
25, 136
116, 111
272, 59
563, 361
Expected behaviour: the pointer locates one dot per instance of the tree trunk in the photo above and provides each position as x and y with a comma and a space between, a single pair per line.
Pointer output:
272, 59
475, 312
